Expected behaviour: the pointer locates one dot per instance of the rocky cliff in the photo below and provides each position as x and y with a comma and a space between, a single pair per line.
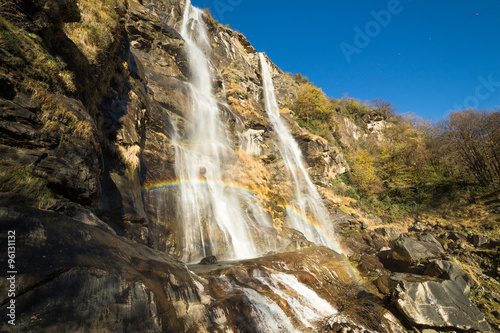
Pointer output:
95, 106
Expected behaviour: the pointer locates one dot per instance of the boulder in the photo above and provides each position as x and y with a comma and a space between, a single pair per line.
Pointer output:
450, 271
478, 240
410, 250
418, 227
389, 233
457, 237
437, 304
210, 260
370, 265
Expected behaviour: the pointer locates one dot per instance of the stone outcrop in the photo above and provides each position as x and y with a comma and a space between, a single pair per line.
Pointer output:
450, 271
411, 251
77, 277
438, 304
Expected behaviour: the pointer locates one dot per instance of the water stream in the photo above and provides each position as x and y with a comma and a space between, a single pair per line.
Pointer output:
307, 202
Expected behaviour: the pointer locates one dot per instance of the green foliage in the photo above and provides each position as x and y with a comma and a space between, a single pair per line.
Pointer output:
314, 111
94, 33
22, 53
355, 107
241, 94
417, 167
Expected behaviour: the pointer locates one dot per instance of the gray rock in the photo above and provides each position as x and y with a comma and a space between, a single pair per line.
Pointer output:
438, 304
478, 240
76, 277
389, 233
450, 271
411, 250
418, 227
457, 237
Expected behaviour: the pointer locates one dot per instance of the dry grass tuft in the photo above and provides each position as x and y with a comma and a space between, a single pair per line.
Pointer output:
19, 180
68, 78
55, 115
94, 33
130, 156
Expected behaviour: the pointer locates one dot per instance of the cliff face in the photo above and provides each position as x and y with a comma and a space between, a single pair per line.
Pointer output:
96, 107
93, 98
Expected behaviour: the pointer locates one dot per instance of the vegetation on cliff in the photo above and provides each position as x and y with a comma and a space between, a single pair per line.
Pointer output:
404, 166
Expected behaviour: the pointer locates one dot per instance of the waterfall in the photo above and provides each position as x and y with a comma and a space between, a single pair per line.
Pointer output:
216, 217
307, 200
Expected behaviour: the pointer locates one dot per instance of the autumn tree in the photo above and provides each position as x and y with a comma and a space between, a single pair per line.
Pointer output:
472, 139
384, 108
364, 172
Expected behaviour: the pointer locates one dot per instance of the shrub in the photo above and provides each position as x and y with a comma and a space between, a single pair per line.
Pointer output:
314, 111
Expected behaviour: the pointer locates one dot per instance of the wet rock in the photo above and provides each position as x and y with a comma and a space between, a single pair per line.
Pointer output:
210, 260
450, 271
343, 323
253, 141
437, 304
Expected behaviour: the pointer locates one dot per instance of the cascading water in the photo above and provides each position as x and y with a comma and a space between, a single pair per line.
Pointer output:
307, 201
287, 305
209, 208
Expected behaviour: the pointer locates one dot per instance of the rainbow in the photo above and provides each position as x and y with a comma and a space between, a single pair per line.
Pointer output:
234, 186
315, 225
201, 183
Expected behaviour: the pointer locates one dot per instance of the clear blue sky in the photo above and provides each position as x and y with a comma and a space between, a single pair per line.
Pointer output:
426, 57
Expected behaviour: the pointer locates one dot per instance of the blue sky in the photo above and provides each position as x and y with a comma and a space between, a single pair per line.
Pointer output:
426, 57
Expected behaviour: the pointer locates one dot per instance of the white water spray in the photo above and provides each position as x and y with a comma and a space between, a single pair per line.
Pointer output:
209, 209
304, 302
307, 201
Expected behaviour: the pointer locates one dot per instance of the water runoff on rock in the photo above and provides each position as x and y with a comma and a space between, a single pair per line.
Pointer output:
215, 217
305, 308
307, 200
